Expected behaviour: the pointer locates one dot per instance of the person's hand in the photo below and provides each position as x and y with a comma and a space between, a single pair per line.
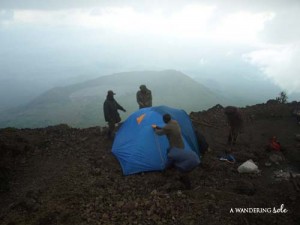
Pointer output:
155, 127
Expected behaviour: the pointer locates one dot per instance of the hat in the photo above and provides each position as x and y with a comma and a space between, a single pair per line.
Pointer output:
143, 87
110, 92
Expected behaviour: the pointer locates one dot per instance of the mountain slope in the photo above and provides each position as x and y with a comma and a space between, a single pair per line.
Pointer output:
80, 105
62, 175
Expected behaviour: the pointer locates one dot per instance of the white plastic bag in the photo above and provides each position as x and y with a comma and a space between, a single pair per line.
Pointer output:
248, 167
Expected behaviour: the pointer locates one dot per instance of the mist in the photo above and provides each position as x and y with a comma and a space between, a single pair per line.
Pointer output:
230, 48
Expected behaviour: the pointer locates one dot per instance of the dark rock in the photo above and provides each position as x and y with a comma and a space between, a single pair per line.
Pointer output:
245, 188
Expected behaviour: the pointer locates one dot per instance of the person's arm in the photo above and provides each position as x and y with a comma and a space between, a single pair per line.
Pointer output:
149, 100
120, 107
138, 99
161, 131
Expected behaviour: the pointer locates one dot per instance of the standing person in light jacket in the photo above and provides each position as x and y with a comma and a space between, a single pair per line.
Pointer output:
144, 97
111, 114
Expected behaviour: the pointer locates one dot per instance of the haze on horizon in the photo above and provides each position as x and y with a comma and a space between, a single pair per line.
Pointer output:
50, 43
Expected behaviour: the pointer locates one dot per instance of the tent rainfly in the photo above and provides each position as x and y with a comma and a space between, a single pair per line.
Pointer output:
139, 149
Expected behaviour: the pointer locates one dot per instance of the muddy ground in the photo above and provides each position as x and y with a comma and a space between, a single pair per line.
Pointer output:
63, 175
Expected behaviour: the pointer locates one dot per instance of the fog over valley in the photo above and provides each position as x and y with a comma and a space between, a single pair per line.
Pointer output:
240, 52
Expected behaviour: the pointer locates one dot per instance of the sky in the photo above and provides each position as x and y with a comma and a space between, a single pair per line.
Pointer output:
46, 42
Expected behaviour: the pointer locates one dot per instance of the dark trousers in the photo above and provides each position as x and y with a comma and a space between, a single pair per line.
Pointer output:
232, 136
111, 129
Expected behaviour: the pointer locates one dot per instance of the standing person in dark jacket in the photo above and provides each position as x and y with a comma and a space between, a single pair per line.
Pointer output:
235, 123
144, 97
111, 114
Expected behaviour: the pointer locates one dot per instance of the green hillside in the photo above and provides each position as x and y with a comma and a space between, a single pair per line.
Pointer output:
80, 105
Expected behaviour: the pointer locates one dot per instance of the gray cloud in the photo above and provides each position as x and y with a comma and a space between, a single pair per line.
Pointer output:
6, 15
63, 4
50, 4
60, 51
256, 5
284, 27
226, 5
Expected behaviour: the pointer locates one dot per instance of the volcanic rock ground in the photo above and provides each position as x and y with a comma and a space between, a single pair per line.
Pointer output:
63, 175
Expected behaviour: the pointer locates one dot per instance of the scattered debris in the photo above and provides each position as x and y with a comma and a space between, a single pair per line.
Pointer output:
248, 167
295, 181
281, 175
276, 158
227, 158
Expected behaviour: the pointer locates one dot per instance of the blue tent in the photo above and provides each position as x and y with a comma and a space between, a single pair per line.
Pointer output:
139, 149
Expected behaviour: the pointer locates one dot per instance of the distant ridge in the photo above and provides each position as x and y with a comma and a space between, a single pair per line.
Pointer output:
80, 105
